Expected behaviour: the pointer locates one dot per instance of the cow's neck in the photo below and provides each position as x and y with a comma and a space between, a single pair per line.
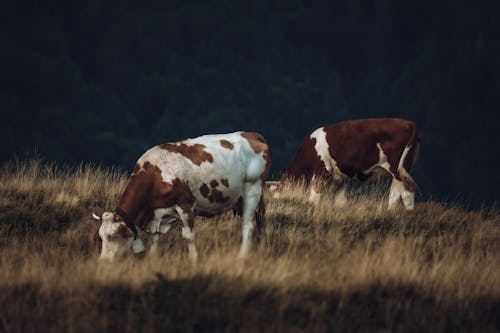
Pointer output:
128, 221
132, 204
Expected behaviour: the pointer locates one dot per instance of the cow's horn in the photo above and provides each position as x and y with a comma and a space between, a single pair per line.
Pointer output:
96, 217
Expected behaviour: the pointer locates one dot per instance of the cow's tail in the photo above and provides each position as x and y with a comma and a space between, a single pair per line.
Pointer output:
414, 143
260, 219
408, 159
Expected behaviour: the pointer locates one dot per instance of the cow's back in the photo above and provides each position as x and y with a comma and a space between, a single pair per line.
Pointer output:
214, 167
348, 148
353, 144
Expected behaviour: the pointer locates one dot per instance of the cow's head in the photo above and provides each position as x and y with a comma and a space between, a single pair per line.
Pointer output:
116, 237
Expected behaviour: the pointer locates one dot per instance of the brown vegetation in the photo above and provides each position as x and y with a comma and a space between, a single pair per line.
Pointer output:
321, 268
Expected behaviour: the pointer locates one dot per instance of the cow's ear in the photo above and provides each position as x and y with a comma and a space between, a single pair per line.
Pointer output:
123, 232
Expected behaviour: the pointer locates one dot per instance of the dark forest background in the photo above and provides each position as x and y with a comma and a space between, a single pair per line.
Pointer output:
101, 81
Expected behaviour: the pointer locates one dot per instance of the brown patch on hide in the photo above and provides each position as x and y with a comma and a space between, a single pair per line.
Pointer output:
204, 190
256, 141
137, 168
117, 218
212, 194
267, 169
123, 232
226, 144
195, 153
217, 196
352, 149
259, 145
225, 182
146, 191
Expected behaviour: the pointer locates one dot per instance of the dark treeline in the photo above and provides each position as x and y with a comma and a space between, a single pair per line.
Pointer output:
101, 81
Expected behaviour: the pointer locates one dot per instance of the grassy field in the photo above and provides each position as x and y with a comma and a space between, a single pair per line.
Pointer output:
355, 268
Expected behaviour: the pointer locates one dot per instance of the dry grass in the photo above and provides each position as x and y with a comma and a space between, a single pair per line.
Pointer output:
322, 268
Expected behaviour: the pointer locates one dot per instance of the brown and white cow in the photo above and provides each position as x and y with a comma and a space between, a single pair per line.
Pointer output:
355, 149
205, 176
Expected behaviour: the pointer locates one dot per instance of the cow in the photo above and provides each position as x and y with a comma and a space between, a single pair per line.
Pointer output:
351, 149
203, 176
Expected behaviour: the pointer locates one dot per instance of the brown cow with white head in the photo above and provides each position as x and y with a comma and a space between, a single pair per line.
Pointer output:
205, 176
355, 149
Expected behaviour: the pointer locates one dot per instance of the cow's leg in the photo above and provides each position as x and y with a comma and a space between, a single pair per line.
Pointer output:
187, 217
404, 188
408, 199
163, 229
157, 226
314, 190
398, 190
252, 193
340, 199
314, 196
409, 188
395, 192
153, 249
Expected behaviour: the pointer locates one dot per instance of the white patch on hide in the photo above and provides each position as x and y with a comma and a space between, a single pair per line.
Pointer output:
403, 158
382, 162
322, 149
395, 192
408, 199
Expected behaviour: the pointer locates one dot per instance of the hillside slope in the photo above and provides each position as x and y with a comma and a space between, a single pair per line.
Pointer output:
322, 268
